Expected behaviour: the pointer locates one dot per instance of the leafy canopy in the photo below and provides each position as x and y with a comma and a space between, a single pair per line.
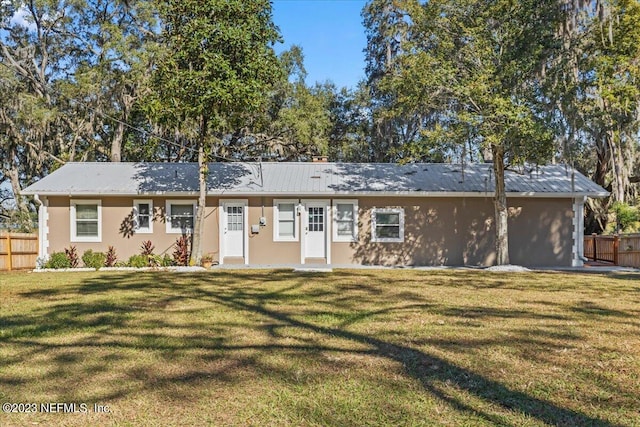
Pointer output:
219, 61
475, 68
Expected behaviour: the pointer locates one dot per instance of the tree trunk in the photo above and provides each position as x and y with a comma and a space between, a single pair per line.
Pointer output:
619, 187
15, 187
501, 209
14, 178
116, 143
596, 211
602, 161
203, 169
126, 100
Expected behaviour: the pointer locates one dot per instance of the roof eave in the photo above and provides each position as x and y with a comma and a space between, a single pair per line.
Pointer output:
533, 194
560, 195
111, 194
563, 195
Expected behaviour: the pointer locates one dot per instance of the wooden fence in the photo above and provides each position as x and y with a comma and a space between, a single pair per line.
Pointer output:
623, 250
18, 251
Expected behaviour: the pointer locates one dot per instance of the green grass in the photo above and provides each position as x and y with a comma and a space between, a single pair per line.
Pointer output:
349, 348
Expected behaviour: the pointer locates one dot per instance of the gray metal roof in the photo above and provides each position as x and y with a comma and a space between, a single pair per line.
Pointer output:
310, 179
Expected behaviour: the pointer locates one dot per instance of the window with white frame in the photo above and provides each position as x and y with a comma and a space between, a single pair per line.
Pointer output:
180, 216
387, 225
345, 221
86, 221
285, 221
143, 216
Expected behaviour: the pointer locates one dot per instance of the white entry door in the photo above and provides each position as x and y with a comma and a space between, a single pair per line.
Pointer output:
234, 229
315, 229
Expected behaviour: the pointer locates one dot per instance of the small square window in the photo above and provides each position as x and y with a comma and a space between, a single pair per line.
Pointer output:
180, 216
387, 225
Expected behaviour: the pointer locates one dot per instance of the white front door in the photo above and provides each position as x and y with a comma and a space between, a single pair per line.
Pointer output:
234, 229
315, 229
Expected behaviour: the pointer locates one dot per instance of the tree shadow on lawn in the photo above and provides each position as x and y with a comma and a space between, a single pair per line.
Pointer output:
633, 276
419, 365
160, 290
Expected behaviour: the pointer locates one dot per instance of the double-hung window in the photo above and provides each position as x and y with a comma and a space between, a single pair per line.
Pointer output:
387, 225
86, 221
143, 216
285, 221
180, 216
345, 221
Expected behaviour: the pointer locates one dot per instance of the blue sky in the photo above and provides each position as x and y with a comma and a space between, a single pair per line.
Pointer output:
331, 35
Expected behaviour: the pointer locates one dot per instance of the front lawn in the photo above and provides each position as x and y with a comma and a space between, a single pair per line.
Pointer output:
353, 347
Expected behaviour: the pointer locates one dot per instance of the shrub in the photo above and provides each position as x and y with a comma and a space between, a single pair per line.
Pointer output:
181, 252
72, 256
93, 259
625, 215
111, 258
58, 260
147, 248
156, 261
166, 261
138, 261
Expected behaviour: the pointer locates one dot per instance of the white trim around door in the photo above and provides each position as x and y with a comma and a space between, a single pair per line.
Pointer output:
316, 218
238, 209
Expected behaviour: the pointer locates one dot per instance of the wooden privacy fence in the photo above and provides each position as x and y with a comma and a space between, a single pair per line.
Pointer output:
18, 251
621, 250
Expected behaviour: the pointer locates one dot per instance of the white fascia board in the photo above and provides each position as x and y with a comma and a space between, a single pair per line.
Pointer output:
560, 195
286, 194
295, 194
113, 194
164, 193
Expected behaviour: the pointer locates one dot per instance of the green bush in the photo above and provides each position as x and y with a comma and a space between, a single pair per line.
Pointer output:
154, 260
626, 215
93, 259
138, 261
58, 260
159, 260
166, 261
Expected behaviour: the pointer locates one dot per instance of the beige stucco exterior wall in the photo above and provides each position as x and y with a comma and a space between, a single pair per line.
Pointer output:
262, 248
541, 231
438, 231
460, 231
116, 226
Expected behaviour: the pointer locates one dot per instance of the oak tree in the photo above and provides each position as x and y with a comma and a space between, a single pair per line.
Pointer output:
217, 68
